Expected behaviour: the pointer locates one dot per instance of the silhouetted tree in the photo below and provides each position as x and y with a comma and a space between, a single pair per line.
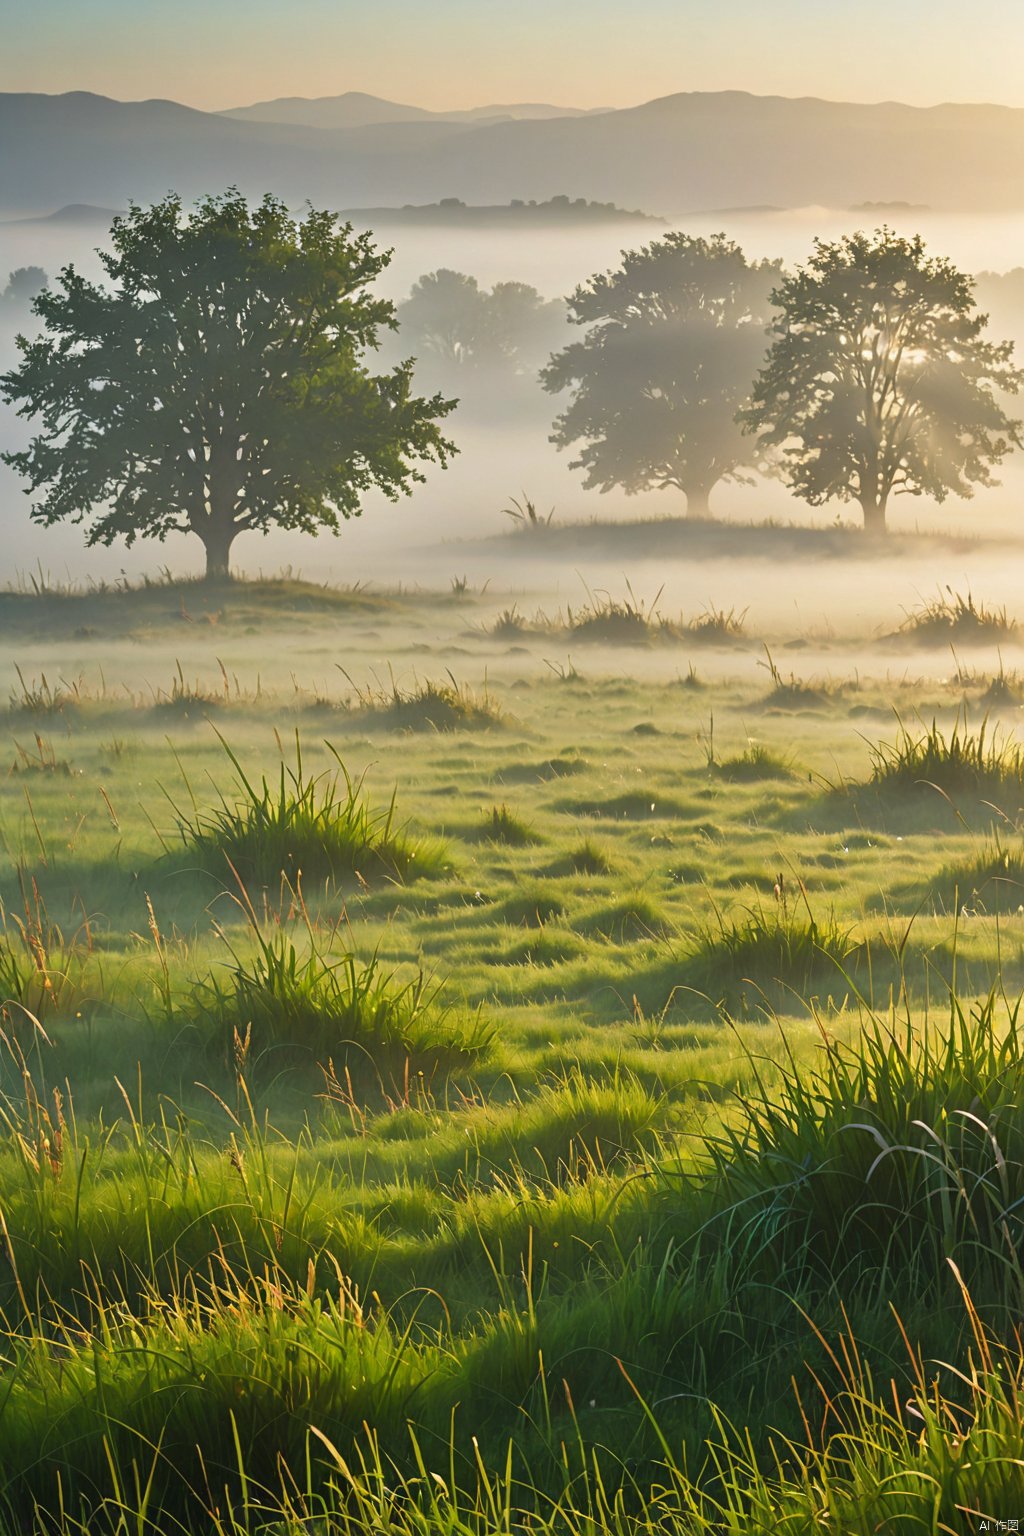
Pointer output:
448, 319
220, 385
443, 317
22, 286
674, 339
879, 381
522, 326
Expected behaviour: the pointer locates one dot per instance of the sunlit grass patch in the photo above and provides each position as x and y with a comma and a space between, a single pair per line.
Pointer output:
992, 881
431, 705
783, 941
756, 762
316, 826
983, 763
564, 766
532, 907
306, 997
633, 916
547, 945
956, 618
634, 805
584, 858
502, 825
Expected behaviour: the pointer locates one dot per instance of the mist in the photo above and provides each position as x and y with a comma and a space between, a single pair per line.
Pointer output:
504, 451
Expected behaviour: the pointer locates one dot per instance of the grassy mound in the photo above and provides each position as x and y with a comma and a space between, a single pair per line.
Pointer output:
584, 858
500, 825
993, 881
565, 766
981, 764
427, 706
757, 762
784, 944
954, 618
532, 908
307, 999
790, 694
718, 626
629, 918
317, 826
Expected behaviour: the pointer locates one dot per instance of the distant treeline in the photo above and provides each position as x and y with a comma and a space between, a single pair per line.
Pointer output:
453, 211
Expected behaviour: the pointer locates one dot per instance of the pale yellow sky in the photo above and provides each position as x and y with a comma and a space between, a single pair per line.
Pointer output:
452, 53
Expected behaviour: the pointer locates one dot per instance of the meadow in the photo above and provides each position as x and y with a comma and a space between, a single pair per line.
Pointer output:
474, 1066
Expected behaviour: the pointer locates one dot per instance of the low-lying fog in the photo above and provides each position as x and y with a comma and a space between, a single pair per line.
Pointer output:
422, 539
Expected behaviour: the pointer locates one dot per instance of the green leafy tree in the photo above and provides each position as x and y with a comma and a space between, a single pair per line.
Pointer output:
880, 381
674, 338
218, 386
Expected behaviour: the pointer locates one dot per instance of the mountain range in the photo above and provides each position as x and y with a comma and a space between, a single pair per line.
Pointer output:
355, 109
671, 156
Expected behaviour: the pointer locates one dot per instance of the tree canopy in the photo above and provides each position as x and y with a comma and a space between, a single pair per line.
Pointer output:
880, 380
218, 384
673, 340
458, 328
23, 284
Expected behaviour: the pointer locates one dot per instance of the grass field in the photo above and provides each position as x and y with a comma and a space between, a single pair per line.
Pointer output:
471, 1067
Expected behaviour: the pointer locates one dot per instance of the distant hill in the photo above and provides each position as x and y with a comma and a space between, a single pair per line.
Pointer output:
678, 154
75, 214
355, 109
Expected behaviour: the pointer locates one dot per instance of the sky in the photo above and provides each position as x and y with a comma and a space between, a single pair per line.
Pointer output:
460, 53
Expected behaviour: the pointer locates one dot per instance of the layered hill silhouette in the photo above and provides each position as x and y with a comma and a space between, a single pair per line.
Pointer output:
675, 155
355, 109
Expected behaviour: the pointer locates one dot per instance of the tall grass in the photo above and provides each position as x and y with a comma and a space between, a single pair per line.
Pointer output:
303, 824
955, 617
306, 997
983, 763
265, 1390
992, 881
445, 705
783, 942
888, 1157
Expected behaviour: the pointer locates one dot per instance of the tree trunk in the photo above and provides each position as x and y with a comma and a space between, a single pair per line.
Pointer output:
217, 540
874, 517
697, 508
